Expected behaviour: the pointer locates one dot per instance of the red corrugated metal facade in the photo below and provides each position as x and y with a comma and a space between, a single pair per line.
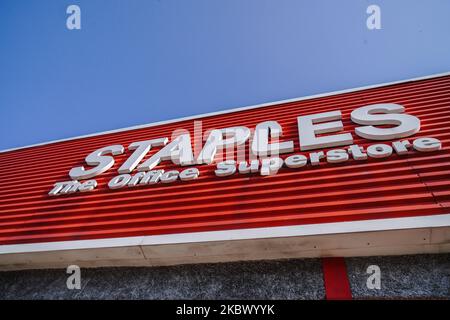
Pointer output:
397, 186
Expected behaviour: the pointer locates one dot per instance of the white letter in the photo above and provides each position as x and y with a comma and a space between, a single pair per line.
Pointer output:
406, 125
179, 151
245, 168
296, 161
135, 179
119, 181
71, 187
357, 152
189, 174
379, 150
88, 185
314, 157
169, 176
151, 177
260, 144
233, 136
141, 149
98, 159
270, 166
427, 144
308, 129
401, 147
225, 168
57, 188
337, 155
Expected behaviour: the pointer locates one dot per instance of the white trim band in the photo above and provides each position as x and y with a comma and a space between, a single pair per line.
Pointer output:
433, 221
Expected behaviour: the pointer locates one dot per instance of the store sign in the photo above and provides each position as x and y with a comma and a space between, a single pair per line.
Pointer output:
378, 122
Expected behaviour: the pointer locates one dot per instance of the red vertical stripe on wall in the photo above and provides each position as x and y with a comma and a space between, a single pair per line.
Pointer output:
337, 286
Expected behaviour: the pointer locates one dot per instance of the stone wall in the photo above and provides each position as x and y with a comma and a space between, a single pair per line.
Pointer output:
415, 276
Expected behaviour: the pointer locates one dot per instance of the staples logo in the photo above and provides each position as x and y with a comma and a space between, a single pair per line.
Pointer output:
315, 131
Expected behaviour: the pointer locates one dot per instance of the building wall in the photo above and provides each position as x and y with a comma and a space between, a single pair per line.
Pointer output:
189, 220
415, 276
409, 185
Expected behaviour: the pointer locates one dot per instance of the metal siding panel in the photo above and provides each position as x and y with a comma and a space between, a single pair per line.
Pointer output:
398, 186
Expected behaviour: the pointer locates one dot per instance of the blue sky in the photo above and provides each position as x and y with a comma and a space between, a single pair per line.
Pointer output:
140, 61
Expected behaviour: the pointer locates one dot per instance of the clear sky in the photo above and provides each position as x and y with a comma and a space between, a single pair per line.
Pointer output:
140, 61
